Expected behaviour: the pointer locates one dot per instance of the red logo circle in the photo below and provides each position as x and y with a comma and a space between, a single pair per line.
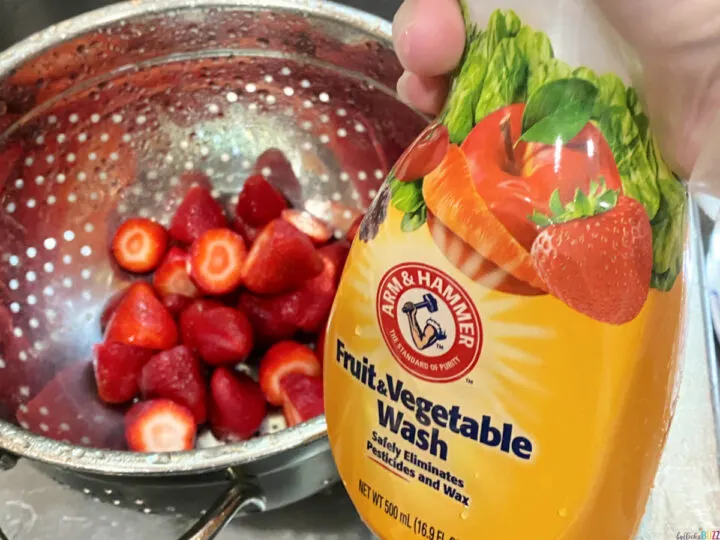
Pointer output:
428, 322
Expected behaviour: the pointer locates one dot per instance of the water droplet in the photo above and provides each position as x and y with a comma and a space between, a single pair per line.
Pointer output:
464, 514
563, 512
358, 330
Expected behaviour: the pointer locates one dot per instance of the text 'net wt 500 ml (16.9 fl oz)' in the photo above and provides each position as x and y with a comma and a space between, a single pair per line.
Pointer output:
503, 348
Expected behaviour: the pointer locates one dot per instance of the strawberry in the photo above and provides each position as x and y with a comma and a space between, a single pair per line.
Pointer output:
176, 303
237, 405
222, 335
139, 245
78, 414
599, 265
317, 295
190, 316
160, 425
281, 259
278, 171
305, 222
117, 370
140, 319
247, 231
197, 214
216, 261
302, 398
172, 278
176, 374
110, 307
354, 228
273, 318
282, 359
259, 203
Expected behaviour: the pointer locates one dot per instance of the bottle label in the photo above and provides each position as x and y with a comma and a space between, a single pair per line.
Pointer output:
502, 352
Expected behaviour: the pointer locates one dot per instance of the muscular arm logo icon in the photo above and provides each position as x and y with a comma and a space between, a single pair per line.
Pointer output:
430, 332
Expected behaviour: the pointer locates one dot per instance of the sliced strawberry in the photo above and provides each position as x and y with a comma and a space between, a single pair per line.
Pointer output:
273, 318
139, 245
237, 405
176, 303
140, 319
276, 168
222, 335
216, 261
176, 374
354, 228
316, 229
190, 316
317, 295
259, 203
172, 278
282, 359
117, 370
247, 231
320, 346
281, 259
160, 425
197, 214
302, 398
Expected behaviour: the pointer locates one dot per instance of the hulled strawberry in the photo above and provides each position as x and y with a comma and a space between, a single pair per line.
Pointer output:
237, 405
599, 265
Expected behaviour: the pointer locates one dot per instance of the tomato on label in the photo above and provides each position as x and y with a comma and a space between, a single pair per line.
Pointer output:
515, 178
424, 155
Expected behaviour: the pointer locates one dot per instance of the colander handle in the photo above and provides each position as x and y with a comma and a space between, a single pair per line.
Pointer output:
241, 497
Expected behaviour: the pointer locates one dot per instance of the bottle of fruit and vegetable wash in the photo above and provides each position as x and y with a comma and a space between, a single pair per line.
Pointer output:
502, 355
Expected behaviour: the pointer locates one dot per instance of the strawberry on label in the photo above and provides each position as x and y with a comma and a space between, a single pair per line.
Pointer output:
302, 398
160, 425
599, 265
281, 259
141, 319
281, 360
172, 278
139, 245
197, 214
237, 405
176, 374
117, 368
273, 318
222, 335
216, 261
259, 203
316, 229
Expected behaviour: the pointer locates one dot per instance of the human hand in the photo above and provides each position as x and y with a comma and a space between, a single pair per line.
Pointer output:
678, 43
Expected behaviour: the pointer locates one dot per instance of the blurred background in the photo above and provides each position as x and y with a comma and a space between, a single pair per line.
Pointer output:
20, 18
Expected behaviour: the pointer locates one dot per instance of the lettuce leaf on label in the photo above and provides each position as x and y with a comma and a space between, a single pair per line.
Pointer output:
612, 94
537, 49
505, 81
638, 178
468, 82
406, 196
669, 228
586, 74
546, 71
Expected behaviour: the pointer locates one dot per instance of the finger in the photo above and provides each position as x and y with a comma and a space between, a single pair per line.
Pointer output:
429, 36
426, 94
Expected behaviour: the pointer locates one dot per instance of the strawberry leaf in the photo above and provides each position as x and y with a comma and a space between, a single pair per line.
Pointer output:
597, 201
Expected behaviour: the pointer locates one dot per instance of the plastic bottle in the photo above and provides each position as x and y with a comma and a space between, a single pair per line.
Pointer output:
503, 349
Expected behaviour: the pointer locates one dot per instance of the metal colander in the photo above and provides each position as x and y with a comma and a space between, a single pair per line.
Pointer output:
112, 115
